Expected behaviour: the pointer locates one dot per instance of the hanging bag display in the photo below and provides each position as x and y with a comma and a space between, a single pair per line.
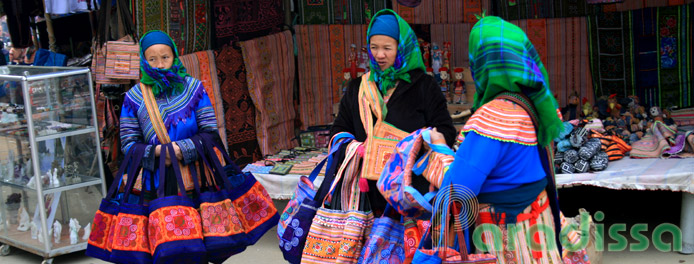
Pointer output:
385, 243
222, 230
250, 199
381, 137
119, 62
98, 245
129, 242
337, 235
296, 219
395, 183
175, 228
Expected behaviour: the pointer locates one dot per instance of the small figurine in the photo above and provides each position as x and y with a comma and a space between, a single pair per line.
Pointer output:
459, 90
23, 220
436, 58
430, 71
74, 229
54, 178
57, 230
353, 59
345, 84
446, 55
32, 182
426, 55
613, 108
443, 72
34, 230
87, 232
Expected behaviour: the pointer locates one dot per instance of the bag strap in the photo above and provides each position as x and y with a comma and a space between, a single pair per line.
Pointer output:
154, 114
167, 149
349, 156
207, 154
119, 176
370, 101
133, 175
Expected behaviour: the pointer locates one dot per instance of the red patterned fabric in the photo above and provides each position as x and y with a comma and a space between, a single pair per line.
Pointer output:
270, 66
255, 207
568, 61
102, 226
173, 223
220, 219
244, 19
130, 233
239, 111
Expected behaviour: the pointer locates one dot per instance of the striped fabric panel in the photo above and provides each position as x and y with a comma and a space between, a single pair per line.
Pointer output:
315, 75
270, 74
568, 61
504, 121
338, 61
422, 14
354, 34
458, 35
639, 4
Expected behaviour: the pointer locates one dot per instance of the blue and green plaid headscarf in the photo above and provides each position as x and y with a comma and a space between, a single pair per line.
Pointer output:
408, 58
161, 80
503, 59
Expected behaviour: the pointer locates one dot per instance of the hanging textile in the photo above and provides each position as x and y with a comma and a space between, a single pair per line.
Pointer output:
567, 58
573, 8
524, 9
239, 20
610, 53
316, 11
18, 13
674, 46
639, 4
315, 74
186, 21
458, 35
338, 61
646, 56
201, 65
239, 112
270, 67
471, 8
422, 14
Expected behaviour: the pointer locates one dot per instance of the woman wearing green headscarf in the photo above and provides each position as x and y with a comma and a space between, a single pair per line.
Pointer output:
504, 158
398, 92
182, 102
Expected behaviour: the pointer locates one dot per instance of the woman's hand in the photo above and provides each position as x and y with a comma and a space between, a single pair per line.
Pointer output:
437, 137
177, 151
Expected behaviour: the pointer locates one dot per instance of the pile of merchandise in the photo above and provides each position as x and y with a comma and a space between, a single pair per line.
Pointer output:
578, 154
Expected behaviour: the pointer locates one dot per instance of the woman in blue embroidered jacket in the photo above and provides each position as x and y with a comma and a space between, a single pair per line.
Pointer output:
503, 157
184, 105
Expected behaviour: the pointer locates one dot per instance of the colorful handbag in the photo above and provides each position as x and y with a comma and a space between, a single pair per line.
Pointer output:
222, 230
122, 59
175, 228
130, 243
250, 199
337, 235
381, 137
386, 241
395, 183
414, 229
305, 189
100, 239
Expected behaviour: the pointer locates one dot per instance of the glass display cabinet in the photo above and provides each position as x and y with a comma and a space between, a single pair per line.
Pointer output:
51, 170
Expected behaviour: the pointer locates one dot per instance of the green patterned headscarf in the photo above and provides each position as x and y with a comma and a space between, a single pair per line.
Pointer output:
503, 59
169, 80
408, 58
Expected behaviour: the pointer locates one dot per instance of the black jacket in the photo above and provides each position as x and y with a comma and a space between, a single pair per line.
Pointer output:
412, 106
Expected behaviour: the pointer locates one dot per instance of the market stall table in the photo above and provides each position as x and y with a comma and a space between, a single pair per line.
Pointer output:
647, 174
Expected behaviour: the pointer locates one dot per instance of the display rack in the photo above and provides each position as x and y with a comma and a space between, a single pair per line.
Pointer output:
51, 170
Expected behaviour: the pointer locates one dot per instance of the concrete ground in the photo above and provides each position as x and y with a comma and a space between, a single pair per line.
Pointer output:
266, 251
